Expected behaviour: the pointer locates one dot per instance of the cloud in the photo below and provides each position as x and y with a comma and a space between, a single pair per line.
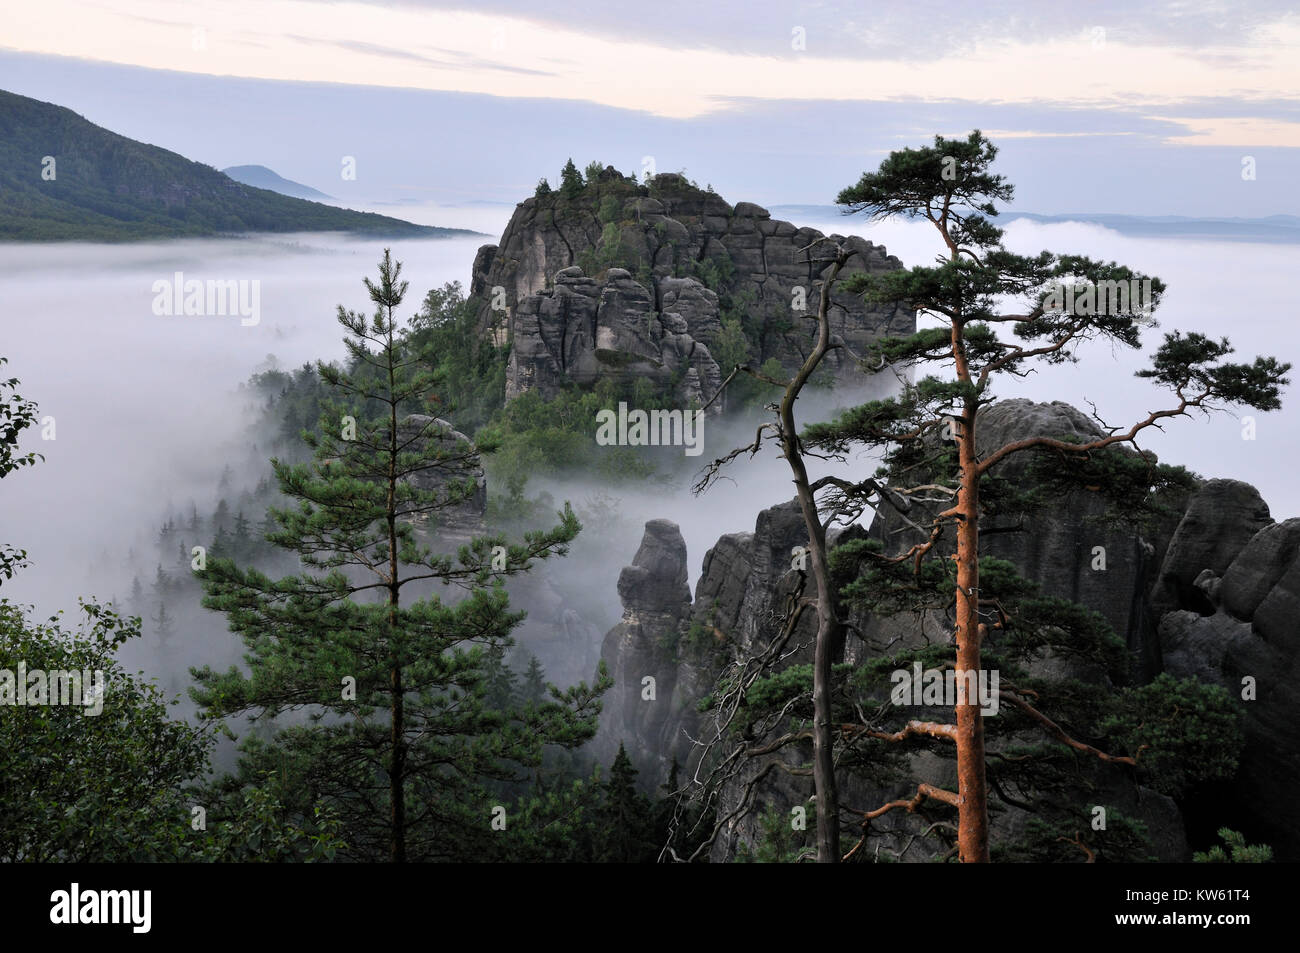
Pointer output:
1014, 57
1253, 131
455, 59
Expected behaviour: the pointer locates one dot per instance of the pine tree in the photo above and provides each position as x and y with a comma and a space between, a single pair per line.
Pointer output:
626, 817
534, 688
934, 475
502, 686
162, 583
929, 436
360, 635
241, 539
221, 516
163, 626
571, 183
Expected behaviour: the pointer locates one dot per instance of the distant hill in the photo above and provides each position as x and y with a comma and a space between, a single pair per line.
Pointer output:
64, 178
260, 177
1273, 228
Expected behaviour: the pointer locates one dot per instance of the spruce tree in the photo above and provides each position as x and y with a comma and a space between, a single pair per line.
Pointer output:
534, 687
402, 740
626, 817
570, 180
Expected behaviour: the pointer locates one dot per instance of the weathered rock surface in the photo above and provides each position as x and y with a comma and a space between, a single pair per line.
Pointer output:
639, 303
1222, 518
582, 330
1213, 594
1063, 551
458, 467
656, 600
1253, 639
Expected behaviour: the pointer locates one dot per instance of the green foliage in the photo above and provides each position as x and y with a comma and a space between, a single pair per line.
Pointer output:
610, 210
251, 824
608, 252
952, 172
571, 183
716, 271
533, 436
588, 820
739, 340
1138, 490
1068, 837
733, 345
1182, 731
1187, 363
775, 690
399, 692
16, 415
1242, 853
86, 788
468, 374
543, 188
778, 841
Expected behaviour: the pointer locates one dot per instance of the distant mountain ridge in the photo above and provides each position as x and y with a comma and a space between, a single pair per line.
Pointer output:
62, 178
1273, 228
260, 177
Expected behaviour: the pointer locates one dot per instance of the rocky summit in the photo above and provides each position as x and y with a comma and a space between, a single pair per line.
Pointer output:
625, 280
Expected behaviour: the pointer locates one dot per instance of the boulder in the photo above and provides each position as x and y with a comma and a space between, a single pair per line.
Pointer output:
1223, 516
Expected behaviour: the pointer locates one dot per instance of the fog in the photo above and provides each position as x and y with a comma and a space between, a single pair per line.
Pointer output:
147, 413
1237, 290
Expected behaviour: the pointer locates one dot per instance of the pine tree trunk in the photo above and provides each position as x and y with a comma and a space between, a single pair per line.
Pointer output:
397, 777
972, 811
396, 789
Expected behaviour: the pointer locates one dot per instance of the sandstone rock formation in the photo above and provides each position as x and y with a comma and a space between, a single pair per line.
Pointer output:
658, 266
1211, 593
582, 330
1251, 635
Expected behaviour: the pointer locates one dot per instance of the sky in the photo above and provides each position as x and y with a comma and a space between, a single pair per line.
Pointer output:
1138, 108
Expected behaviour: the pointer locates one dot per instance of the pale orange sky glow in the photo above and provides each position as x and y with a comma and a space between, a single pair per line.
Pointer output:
450, 50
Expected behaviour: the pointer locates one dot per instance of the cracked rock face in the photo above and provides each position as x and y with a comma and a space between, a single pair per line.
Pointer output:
1222, 518
656, 311
582, 330
1253, 636
1213, 594
656, 600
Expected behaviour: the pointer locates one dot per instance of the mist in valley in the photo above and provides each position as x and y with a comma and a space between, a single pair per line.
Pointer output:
152, 422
